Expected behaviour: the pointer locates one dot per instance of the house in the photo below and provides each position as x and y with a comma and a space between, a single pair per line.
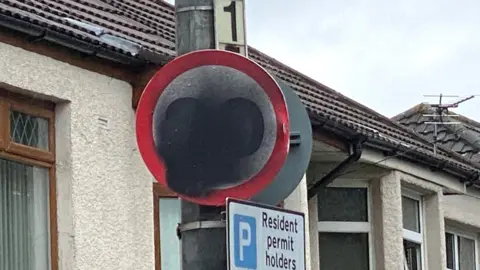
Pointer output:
75, 193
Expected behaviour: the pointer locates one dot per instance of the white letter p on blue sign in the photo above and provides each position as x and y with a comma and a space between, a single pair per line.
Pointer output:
245, 246
245, 237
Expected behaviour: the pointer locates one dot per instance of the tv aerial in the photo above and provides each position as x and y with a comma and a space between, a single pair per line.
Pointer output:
441, 110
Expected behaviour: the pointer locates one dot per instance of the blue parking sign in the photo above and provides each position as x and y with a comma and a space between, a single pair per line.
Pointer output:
261, 237
245, 241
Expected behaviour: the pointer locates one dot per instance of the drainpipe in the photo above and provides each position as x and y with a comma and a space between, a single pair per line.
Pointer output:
333, 174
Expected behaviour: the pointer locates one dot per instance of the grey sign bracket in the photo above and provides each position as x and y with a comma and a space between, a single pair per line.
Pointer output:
197, 225
295, 138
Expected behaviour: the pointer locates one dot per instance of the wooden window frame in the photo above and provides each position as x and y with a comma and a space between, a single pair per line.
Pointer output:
159, 192
9, 102
31, 155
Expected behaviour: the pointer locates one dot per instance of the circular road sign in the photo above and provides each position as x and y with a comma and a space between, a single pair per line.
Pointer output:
213, 124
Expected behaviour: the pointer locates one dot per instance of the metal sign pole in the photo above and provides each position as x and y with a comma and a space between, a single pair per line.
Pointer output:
202, 231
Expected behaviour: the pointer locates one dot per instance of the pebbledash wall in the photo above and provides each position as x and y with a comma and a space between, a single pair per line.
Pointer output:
104, 191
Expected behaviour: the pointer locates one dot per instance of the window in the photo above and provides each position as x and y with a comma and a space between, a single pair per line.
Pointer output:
27, 184
344, 227
412, 230
461, 250
167, 214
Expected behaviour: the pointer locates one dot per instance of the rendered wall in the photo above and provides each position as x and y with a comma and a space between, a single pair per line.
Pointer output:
464, 209
313, 220
387, 221
104, 191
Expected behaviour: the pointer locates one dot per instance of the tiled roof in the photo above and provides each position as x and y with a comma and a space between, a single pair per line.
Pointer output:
463, 137
146, 23
150, 25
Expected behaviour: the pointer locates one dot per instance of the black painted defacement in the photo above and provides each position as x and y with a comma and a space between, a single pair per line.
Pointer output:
214, 127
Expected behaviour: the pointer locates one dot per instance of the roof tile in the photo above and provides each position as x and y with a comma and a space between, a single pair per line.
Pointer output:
463, 138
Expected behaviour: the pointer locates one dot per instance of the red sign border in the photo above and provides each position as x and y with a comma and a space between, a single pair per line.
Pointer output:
181, 64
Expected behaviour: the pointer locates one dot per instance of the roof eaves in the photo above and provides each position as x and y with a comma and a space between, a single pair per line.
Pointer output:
84, 45
465, 173
463, 169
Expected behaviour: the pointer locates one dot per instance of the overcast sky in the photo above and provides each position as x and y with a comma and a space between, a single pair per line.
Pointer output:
383, 54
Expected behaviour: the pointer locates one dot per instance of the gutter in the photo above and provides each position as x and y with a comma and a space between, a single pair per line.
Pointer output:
37, 33
464, 175
339, 169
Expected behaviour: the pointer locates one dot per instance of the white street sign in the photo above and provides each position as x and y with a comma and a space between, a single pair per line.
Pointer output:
264, 237
230, 25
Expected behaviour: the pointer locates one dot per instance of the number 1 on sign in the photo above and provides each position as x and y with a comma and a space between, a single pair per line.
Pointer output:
232, 9
230, 25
